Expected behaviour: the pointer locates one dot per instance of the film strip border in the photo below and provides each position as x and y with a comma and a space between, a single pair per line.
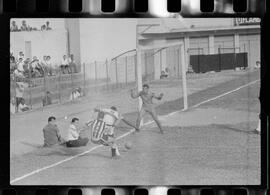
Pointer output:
141, 8
132, 191
136, 8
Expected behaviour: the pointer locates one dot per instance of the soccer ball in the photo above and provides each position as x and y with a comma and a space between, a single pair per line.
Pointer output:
128, 145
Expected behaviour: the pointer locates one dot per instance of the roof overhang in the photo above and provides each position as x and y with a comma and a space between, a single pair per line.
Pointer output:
193, 32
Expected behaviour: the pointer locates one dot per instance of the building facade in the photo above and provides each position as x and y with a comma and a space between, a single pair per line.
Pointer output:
201, 37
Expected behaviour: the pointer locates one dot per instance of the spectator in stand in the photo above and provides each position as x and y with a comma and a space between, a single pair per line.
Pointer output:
21, 55
12, 64
22, 106
47, 100
49, 65
12, 58
75, 94
72, 64
12, 106
26, 67
24, 26
20, 65
69, 70
258, 64
44, 65
47, 26
35, 68
14, 27
167, 71
43, 27
163, 75
18, 75
80, 91
64, 65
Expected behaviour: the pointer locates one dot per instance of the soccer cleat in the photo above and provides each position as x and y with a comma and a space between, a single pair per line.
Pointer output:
137, 130
115, 152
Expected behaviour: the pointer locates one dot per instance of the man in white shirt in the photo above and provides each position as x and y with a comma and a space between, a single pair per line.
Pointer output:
64, 64
21, 55
18, 74
22, 106
74, 139
20, 65
19, 90
49, 65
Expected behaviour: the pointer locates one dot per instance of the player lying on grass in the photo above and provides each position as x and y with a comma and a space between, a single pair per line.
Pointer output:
147, 105
103, 128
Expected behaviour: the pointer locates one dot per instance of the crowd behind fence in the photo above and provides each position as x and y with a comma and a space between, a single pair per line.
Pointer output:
98, 76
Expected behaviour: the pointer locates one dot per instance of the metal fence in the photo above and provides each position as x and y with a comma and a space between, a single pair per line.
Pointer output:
98, 76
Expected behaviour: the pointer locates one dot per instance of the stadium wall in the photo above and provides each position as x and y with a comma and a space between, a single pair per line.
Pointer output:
53, 43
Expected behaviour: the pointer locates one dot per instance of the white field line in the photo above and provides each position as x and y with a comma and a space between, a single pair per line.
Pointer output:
124, 135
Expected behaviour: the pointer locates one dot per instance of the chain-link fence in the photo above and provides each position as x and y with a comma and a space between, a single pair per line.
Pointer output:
95, 77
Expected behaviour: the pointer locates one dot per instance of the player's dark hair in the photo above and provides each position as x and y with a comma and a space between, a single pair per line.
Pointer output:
146, 85
74, 119
114, 108
51, 118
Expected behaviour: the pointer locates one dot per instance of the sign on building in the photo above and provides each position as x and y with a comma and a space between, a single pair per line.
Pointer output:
247, 21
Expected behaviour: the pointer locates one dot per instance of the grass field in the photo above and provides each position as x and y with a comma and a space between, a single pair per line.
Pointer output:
209, 144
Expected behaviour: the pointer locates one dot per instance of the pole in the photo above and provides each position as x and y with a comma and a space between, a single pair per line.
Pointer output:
84, 79
29, 87
95, 76
139, 67
59, 85
72, 86
44, 81
160, 60
184, 80
116, 71
126, 69
107, 75
178, 73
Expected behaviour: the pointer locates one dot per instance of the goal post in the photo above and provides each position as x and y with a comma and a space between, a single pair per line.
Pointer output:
184, 78
178, 44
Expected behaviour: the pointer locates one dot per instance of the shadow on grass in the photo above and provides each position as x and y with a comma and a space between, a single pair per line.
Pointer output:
229, 127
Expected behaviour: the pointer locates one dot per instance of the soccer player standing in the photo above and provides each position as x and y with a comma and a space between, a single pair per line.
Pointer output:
147, 105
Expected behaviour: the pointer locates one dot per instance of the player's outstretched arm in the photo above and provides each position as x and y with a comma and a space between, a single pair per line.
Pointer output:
159, 97
134, 95
130, 124
97, 109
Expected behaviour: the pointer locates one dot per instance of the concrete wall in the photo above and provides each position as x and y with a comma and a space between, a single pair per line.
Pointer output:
226, 41
74, 47
199, 42
53, 43
106, 38
251, 44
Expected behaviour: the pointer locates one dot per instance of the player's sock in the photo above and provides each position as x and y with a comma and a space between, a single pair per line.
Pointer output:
113, 151
117, 151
